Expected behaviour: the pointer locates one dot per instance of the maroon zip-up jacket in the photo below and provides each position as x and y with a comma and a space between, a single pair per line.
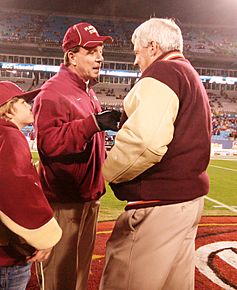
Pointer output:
70, 146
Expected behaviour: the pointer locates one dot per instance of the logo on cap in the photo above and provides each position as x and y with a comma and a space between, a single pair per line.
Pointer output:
91, 29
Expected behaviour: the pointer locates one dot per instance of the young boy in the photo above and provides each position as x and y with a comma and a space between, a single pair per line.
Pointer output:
24, 210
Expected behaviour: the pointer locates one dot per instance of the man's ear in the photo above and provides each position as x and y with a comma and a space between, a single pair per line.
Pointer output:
154, 49
72, 58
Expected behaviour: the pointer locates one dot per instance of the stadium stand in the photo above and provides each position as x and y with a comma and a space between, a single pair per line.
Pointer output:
34, 38
43, 28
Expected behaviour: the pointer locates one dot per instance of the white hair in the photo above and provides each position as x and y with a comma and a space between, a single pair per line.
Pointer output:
163, 31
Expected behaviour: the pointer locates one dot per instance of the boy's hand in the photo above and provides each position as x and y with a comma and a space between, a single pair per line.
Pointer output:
39, 256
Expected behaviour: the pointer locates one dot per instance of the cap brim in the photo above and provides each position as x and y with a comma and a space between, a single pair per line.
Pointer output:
99, 40
107, 39
29, 96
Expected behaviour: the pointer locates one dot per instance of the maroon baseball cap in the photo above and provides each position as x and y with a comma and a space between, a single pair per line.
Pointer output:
83, 34
9, 90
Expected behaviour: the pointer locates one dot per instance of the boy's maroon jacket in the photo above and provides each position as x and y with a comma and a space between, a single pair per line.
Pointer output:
23, 207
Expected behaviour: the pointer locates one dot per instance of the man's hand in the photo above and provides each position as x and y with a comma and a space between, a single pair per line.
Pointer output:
108, 120
39, 256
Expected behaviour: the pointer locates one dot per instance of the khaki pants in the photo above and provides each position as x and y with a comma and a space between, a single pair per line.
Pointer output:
153, 248
69, 263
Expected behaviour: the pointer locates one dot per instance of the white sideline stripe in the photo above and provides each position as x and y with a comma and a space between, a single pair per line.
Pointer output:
225, 168
227, 158
222, 204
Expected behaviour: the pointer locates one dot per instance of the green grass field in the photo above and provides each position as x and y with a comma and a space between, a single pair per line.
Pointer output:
223, 188
223, 192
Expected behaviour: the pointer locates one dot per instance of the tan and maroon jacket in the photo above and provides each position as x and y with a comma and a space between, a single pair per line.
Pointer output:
162, 151
24, 209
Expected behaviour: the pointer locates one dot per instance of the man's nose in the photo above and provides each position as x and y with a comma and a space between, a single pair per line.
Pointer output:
100, 58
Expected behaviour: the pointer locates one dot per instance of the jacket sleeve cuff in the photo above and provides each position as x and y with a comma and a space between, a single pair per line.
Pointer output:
92, 127
43, 237
96, 122
46, 236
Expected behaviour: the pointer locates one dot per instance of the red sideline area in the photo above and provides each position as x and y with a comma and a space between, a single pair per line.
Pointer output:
216, 248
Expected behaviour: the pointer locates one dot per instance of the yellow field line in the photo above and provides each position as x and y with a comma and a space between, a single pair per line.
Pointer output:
104, 232
217, 225
97, 257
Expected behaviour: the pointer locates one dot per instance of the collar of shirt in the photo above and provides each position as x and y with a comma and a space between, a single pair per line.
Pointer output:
171, 55
85, 85
6, 123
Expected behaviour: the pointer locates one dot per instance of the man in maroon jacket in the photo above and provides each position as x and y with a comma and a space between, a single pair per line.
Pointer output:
158, 164
69, 124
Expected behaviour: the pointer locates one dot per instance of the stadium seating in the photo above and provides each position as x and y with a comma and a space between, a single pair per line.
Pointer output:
47, 29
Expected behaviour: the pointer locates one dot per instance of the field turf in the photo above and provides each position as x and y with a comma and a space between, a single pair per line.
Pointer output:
223, 188
223, 192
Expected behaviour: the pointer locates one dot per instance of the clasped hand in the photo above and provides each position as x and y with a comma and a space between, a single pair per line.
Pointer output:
108, 120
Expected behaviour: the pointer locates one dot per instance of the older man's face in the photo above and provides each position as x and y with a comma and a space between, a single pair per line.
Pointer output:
143, 57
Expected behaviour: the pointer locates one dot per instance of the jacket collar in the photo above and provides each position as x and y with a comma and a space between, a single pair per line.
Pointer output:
174, 54
170, 55
6, 123
76, 78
